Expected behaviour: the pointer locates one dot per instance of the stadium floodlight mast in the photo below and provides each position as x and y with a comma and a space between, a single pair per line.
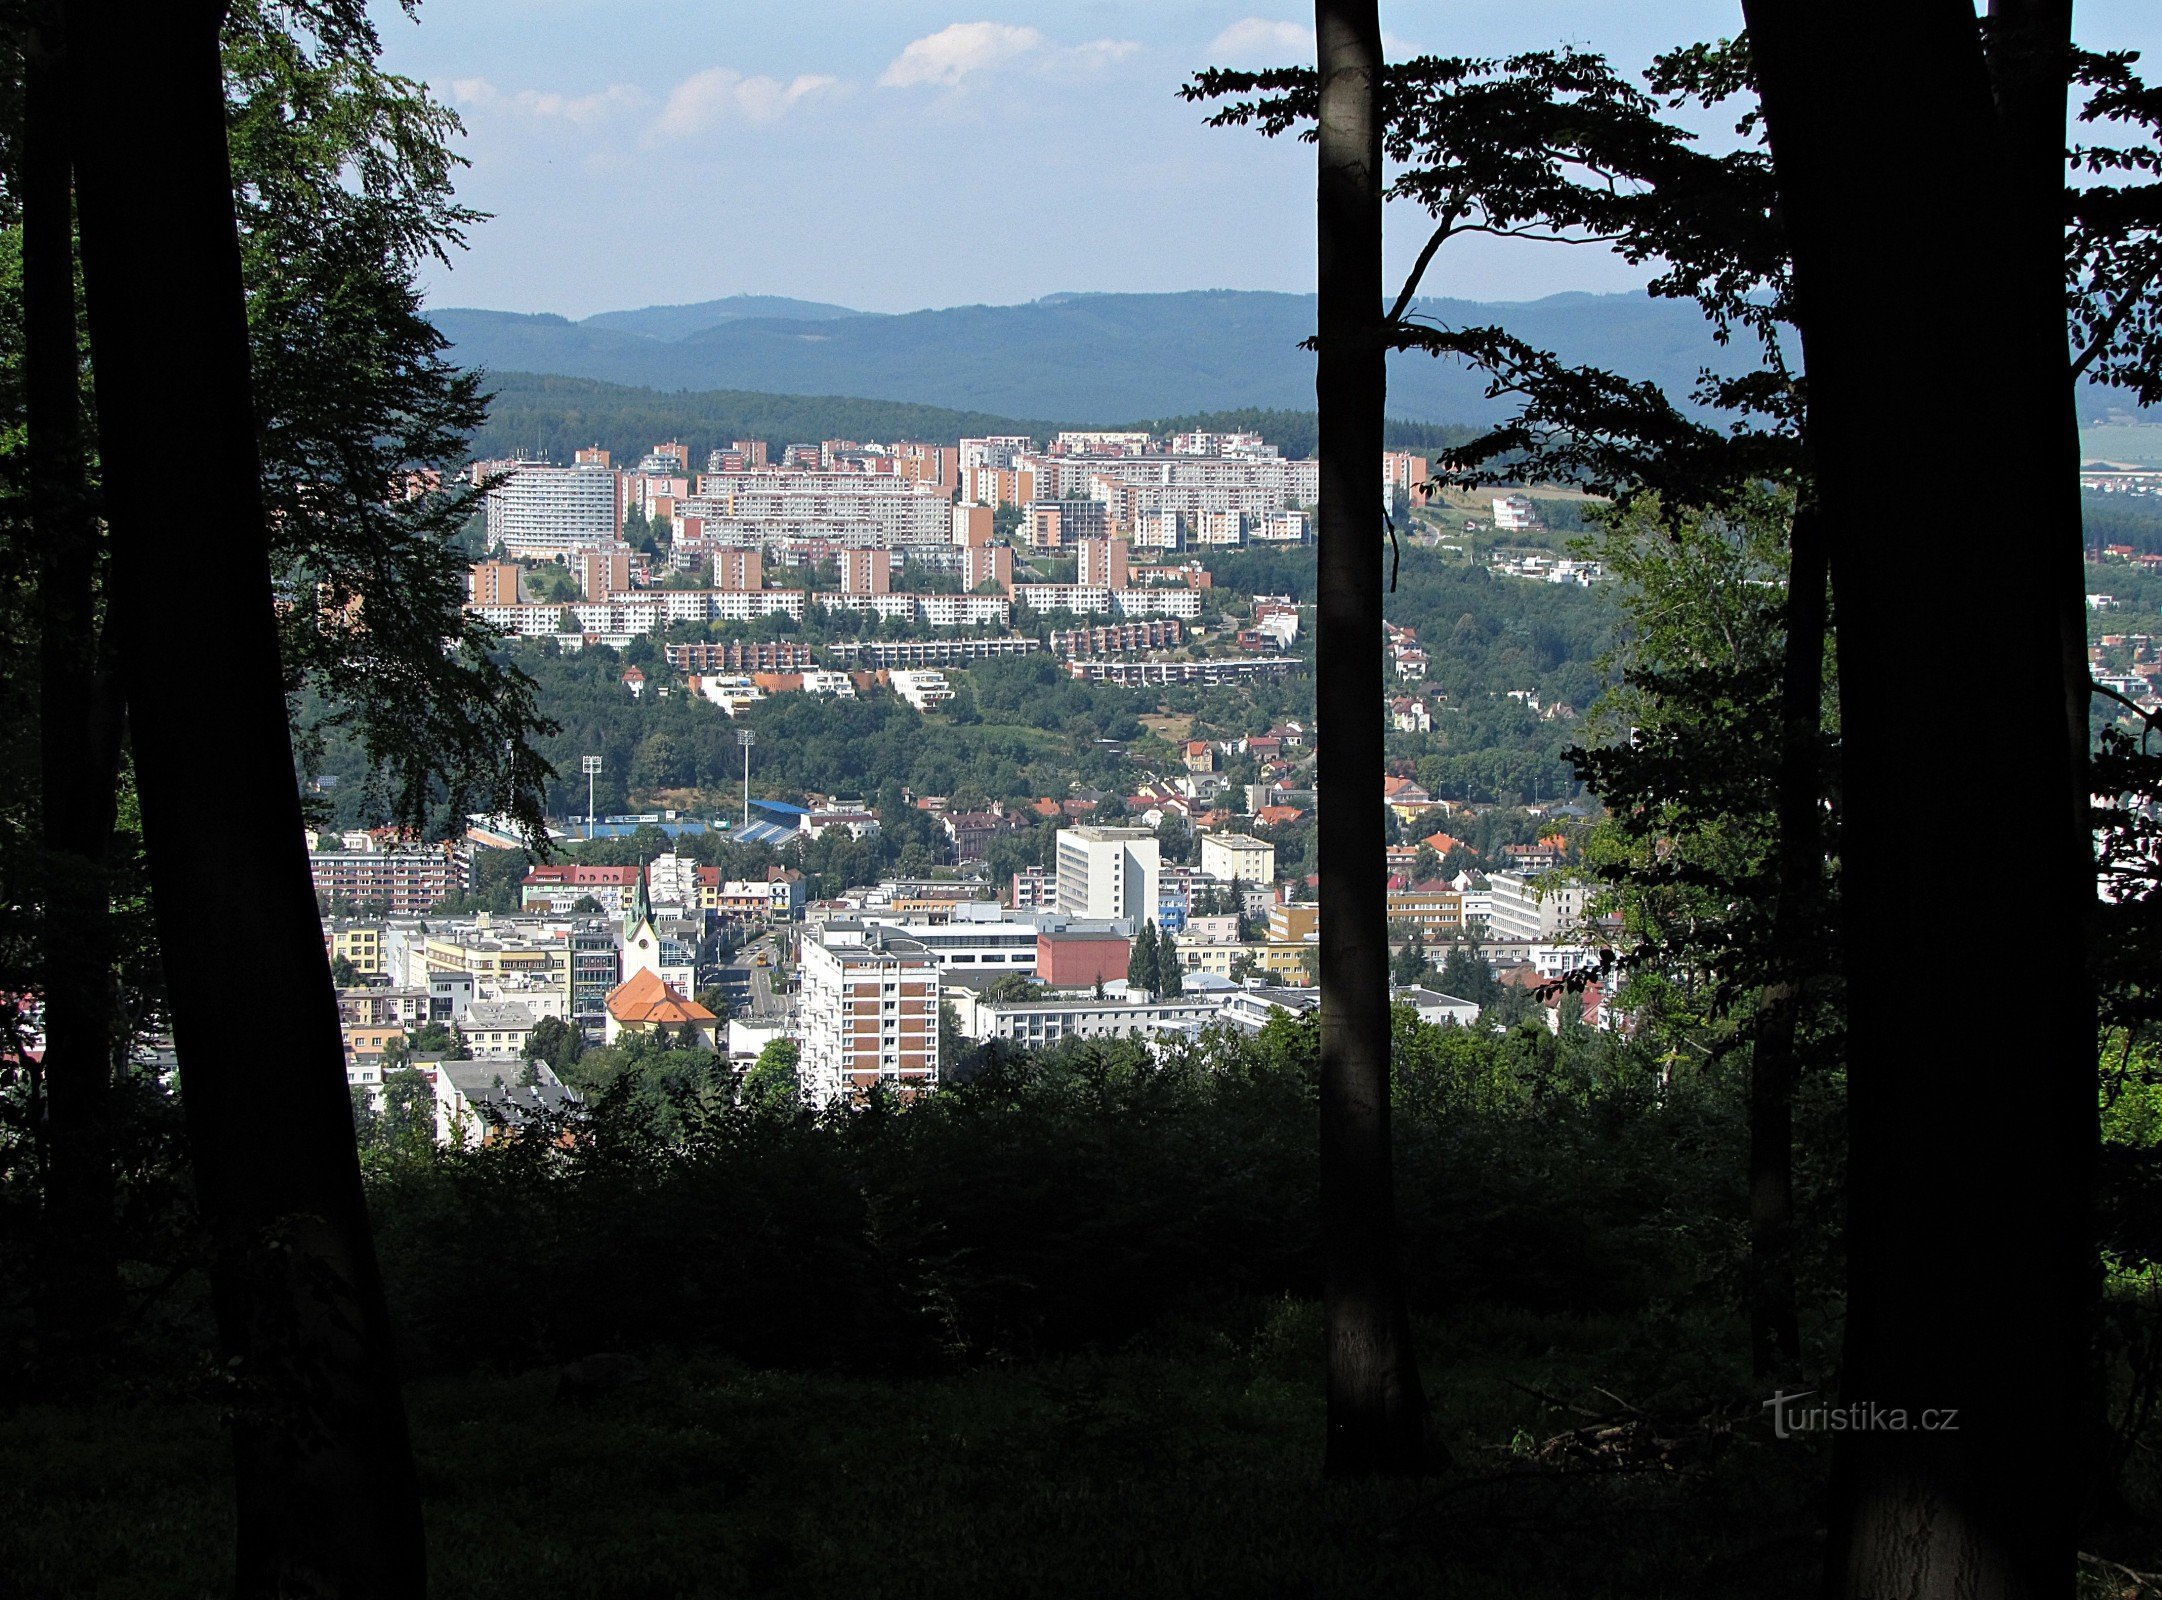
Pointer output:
746, 737
592, 766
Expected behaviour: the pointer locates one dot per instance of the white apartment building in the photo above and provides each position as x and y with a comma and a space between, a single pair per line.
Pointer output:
672, 882
923, 688
1108, 873
1184, 603
1220, 529
865, 1016
1214, 670
545, 511
1513, 513
1225, 856
1159, 530
1047, 1021
997, 452
964, 945
1193, 484
1534, 907
1284, 527
1081, 599
934, 610
646, 612
849, 508
1247, 445
495, 1030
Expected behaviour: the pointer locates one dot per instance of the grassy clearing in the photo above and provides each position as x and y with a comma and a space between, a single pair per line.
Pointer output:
1184, 1466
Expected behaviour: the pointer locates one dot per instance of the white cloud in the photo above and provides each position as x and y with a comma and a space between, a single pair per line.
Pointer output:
943, 59
1257, 42
720, 94
951, 54
580, 111
1099, 52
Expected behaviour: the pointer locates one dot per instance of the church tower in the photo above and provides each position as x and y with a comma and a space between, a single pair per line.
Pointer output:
641, 941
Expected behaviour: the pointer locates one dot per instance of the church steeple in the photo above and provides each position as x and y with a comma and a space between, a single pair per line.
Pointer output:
641, 911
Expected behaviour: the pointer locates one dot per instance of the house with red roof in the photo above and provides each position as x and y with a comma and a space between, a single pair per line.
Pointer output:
642, 1003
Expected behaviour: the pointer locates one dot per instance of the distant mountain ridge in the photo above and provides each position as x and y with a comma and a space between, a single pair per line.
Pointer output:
1090, 358
1096, 356
678, 322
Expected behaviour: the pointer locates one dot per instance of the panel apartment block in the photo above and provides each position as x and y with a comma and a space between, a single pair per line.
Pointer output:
548, 510
868, 1017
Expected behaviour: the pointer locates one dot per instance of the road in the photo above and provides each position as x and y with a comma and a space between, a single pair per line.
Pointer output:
749, 987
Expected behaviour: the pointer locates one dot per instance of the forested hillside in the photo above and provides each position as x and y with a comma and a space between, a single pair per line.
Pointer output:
552, 415
1091, 357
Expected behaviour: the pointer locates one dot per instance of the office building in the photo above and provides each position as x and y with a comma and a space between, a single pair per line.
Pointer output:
1108, 873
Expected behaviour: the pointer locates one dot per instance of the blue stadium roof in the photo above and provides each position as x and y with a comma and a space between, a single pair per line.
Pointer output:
783, 807
576, 832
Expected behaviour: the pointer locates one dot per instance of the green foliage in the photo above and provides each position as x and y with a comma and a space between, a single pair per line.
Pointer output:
1688, 755
1144, 969
554, 1041
1408, 966
1467, 974
343, 179
1051, 1201
772, 1085
438, 1038
404, 1129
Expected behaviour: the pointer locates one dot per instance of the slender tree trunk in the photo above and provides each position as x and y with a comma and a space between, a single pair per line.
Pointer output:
1376, 1411
327, 1504
79, 750
1965, 1242
1774, 1318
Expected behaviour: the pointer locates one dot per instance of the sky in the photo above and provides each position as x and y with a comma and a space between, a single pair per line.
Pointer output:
893, 155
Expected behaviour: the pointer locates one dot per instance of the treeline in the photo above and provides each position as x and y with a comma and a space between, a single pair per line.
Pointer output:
555, 415
1050, 1202
2122, 519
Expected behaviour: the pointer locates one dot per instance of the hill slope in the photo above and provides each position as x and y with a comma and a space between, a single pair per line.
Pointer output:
556, 415
1086, 357
677, 322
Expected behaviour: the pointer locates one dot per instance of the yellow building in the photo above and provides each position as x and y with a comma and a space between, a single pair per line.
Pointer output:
360, 943
1294, 924
503, 963
1284, 963
1436, 910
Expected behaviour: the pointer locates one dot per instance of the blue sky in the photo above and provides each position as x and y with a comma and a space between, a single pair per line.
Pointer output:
894, 154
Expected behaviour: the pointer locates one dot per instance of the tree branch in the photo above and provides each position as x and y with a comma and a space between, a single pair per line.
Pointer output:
2126, 304
2152, 719
1449, 220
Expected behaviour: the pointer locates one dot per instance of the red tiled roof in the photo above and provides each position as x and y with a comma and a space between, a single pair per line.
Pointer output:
642, 997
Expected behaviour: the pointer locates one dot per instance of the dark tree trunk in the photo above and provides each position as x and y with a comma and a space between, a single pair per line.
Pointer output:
2029, 57
1965, 1240
327, 1503
1774, 1068
79, 749
1376, 1412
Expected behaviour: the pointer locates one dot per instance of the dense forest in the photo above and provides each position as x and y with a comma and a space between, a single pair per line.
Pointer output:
551, 416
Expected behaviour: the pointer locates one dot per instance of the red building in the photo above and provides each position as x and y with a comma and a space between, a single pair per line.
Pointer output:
1081, 960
